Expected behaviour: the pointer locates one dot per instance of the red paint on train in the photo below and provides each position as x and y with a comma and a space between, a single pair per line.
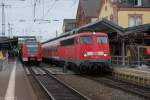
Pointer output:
81, 49
31, 52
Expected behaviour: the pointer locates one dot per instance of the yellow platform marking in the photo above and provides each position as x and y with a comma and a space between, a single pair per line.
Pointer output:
1, 55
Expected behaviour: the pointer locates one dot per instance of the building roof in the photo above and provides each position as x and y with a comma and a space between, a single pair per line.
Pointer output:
132, 4
103, 25
90, 7
107, 26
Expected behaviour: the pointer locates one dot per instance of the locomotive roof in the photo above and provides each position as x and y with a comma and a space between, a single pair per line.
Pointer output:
70, 34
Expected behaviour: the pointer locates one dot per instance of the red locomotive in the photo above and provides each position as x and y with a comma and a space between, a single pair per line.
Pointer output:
31, 51
87, 51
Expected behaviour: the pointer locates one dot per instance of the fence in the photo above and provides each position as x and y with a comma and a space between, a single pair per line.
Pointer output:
118, 60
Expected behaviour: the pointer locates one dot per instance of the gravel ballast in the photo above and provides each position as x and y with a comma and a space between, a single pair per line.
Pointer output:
95, 90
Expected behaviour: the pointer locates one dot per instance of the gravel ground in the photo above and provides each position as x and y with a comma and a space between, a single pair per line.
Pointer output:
95, 90
37, 89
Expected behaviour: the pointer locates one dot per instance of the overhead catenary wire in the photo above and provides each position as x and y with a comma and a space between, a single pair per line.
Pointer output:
30, 5
3, 5
50, 8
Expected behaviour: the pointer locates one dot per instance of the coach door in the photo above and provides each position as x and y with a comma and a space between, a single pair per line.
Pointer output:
76, 47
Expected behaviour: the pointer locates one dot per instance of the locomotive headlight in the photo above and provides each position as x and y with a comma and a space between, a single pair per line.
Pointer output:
105, 55
85, 55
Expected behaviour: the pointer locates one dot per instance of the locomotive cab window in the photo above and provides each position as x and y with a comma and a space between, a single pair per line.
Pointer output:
32, 48
85, 39
102, 39
67, 42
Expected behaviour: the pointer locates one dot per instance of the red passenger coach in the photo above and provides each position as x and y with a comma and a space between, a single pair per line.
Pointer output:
31, 51
87, 51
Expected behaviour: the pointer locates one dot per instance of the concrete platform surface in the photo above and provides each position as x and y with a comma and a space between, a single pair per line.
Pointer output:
14, 84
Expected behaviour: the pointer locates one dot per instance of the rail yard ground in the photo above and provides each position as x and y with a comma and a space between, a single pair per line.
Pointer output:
91, 88
84, 84
95, 90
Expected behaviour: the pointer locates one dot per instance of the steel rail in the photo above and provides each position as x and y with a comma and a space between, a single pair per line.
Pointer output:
56, 89
66, 85
123, 85
50, 97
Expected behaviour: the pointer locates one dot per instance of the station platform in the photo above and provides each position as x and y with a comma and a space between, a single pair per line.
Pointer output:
134, 71
14, 84
139, 76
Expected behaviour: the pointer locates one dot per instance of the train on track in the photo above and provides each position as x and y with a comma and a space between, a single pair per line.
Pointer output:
84, 52
30, 50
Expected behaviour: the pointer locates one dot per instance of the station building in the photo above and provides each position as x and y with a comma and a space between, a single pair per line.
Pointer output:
87, 12
125, 21
68, 25
126, 13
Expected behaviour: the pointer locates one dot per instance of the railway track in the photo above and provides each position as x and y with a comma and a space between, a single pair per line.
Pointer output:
123, 85
54, 88
141, 91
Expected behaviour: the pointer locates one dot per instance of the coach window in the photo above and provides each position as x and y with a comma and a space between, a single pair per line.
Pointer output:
67, 42
102, 39
85, 39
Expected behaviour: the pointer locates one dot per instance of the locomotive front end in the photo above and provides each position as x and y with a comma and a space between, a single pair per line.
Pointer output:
94, 52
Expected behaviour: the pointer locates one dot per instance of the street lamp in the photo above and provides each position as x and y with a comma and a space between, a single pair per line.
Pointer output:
10, 30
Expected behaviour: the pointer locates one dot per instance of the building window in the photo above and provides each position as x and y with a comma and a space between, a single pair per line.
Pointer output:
135, 20
122, 1
138, 2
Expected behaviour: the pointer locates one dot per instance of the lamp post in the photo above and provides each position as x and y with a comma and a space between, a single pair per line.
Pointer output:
10, 30
56, 33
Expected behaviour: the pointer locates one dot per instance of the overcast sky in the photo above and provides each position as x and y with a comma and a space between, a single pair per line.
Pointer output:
19, 13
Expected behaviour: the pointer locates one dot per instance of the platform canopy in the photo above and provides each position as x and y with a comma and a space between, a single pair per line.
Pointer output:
110, 27
145, 28
8, 43
102, 26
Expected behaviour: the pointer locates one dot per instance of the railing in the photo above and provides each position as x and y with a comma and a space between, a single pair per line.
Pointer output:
118, 60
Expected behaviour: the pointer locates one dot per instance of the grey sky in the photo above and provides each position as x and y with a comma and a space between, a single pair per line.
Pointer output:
20, 15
